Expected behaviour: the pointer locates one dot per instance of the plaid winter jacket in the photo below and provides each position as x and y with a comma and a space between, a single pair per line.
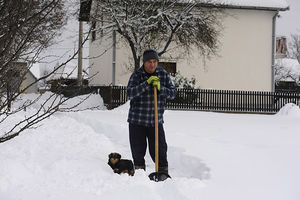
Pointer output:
141, 96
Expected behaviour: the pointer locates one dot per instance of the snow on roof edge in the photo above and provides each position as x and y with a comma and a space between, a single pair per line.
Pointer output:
280, 5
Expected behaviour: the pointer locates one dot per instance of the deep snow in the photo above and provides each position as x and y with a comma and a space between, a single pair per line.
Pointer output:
212, 156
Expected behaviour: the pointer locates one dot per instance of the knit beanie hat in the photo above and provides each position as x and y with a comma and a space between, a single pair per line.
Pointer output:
150, 54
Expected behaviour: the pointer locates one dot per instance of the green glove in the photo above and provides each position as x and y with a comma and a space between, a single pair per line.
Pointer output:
157, 84
152, 79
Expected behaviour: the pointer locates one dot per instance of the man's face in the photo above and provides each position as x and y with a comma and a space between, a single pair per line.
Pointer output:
150, 66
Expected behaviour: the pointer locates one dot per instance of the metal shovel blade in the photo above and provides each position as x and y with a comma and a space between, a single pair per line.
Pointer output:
159, 176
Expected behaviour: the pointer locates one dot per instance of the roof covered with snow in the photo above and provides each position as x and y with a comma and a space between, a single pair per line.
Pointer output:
254, 4
35, 70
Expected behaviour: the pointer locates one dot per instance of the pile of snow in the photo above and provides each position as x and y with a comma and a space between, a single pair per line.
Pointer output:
212, 156
289, 109
35, 101
37, 104
123, 108
90, 101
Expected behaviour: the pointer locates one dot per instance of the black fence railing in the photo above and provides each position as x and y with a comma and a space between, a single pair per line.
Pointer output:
211, 100
113, 96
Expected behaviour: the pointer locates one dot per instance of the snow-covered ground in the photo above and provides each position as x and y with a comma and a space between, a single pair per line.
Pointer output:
212, 156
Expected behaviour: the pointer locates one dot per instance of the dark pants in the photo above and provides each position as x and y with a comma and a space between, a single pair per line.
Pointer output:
138, 136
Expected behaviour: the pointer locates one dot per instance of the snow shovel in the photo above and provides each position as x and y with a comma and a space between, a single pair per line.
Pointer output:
157, 176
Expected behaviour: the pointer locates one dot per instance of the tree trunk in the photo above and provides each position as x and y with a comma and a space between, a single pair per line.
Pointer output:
137, 62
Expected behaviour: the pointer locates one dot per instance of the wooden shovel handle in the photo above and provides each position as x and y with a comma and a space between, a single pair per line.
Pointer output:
156, 129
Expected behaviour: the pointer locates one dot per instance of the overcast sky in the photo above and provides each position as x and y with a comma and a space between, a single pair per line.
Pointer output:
289, 22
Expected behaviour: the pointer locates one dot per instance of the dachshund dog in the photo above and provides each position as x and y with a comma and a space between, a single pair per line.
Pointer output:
120, 165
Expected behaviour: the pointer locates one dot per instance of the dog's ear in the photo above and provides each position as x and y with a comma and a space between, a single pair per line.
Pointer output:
118, 155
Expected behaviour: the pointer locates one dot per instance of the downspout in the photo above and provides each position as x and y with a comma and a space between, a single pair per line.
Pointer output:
79, 76
273, 51
114, 59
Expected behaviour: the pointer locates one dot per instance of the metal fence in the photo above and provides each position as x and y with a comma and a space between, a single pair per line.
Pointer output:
211, 100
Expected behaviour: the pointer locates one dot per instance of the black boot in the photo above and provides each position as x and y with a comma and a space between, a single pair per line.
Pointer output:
163, 169
161, 175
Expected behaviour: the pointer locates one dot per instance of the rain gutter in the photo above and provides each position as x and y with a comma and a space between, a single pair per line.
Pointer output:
114, 60
273, 51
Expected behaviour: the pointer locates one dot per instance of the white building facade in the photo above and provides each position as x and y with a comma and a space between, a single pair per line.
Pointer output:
245, 59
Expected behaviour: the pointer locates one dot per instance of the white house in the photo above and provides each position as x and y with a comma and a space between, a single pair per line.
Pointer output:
20, 79
29, 78
246, 55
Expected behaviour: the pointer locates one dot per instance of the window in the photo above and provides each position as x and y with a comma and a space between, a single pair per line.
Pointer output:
170, 67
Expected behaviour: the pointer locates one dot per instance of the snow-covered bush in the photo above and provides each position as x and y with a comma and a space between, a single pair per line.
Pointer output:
287, 69
183, 82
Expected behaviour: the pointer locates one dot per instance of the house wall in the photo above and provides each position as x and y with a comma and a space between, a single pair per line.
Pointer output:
29, 79
244, 61
100, 63
21, 78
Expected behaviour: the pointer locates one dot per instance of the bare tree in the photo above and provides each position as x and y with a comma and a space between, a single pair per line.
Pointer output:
283, 73
284, 70
27, 28
294, 47
158, 24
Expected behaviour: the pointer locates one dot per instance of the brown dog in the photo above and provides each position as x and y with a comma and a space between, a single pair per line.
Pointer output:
120, 165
